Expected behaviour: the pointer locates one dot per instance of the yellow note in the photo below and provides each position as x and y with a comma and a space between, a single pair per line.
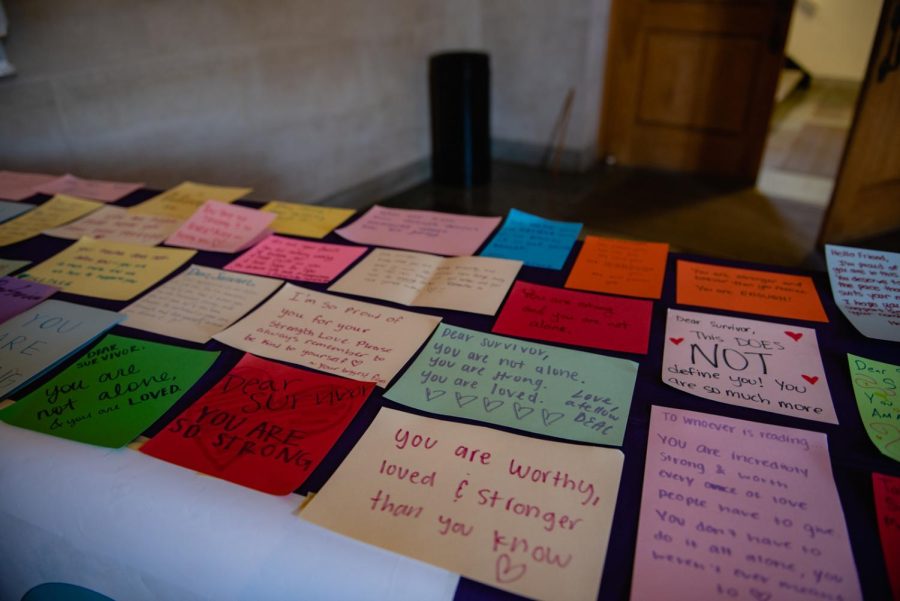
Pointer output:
55, 212
525, 515
181, 201
310, 221
104, 269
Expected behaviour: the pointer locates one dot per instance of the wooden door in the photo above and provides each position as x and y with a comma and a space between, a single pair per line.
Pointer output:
866, 199
690, 84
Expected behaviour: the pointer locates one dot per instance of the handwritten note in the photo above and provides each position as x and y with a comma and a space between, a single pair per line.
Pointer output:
536, 241
426, 231
531, 387
473, 284
181, 201
8, 210
866, 288
8, 266
104, 269
55, 212
332, 334
734, 509
300, 260
18, 185
198, 303
264, 425
220, 227
748, 291
875, 385
527, 516
577, 318
616, 266
95, 189
19, 295
748, 363
36, 340
310, 221
118, 224
887, 508
112, 393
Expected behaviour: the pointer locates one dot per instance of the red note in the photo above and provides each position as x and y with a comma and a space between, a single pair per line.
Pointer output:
887, 507
576, 318
264, 425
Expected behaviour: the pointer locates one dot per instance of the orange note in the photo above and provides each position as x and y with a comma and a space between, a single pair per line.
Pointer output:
748, 291
620, 267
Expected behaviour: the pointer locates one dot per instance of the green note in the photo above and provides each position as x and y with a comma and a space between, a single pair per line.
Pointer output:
875, 387
112, 393
533, 387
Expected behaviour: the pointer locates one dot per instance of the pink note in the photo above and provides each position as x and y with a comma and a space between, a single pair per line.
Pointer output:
887, 508
18, 295
426, 231
222, 227
16, 185
733, 509
94, 189
577, 318
290, 259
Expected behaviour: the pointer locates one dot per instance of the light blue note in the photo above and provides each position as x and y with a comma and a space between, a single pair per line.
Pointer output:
8, 210
536, 241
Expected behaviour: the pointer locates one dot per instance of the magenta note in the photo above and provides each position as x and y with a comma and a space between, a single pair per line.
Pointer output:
733, 509
426, 231
19, 295
222, 227
291, 259
94, 189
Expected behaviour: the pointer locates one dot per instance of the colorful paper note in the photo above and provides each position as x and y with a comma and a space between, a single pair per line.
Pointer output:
748, 363
104, 269
310, 221
332, 334
181, 201
17, 185
300, 260
220, 227
94, 189
112, 393
36, 340
734, 509
527, 516
118, 224
875, 387
535, 241
19, 295
887, 508
58, 210
577, 318
198, 303
8, 266
425, 231
531, 387
866, 288
616, 266
748, 291
473, 284
8, 210
264, 425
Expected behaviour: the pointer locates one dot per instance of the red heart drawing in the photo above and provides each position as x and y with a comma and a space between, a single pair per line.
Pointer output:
677, 340
506, 572
795, 335
810, 379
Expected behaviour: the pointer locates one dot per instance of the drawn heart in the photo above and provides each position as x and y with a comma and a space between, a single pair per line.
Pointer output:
430, 394
356, 362
760, 595
464, 399
490, 405
550, 418
521, 410
506, 571
676, 341
810, 379
795, 335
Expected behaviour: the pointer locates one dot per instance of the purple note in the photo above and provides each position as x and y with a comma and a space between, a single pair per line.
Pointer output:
20, 295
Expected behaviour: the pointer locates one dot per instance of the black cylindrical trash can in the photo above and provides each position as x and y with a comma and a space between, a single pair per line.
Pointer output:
459, 85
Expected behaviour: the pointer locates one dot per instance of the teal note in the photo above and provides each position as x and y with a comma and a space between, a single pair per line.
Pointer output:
535, 241
112, 393
533, 387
